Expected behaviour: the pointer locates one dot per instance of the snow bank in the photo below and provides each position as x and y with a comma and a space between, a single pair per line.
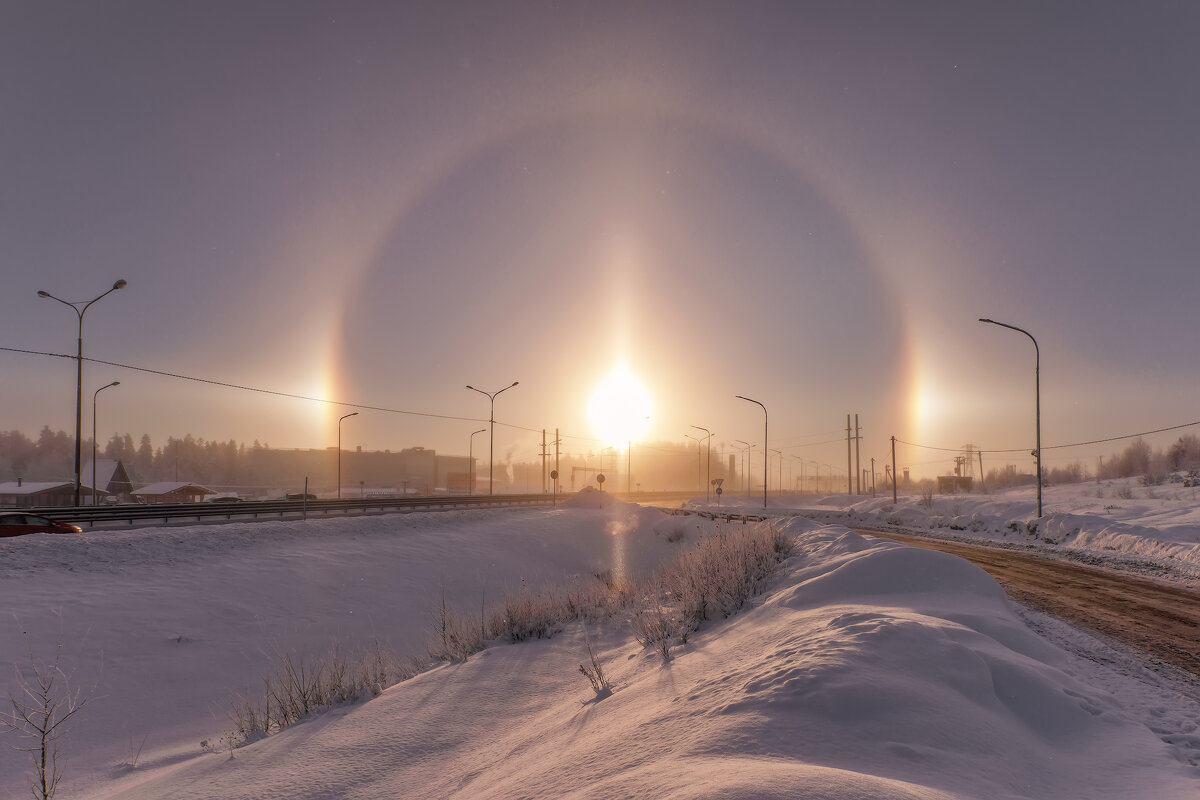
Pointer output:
1154, 530
872, 670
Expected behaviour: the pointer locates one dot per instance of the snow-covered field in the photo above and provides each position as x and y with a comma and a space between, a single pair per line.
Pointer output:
1152, 530
867, 670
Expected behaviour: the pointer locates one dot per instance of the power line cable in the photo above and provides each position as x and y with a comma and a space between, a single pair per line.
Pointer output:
1055, 446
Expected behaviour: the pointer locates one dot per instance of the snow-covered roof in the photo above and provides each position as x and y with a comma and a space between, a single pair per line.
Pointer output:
174, 487
34, 487
107, 470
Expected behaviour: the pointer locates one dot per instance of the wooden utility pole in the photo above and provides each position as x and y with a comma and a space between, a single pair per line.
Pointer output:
895, 480
981, 486
872, 477
849, 461
543, 460
857, 455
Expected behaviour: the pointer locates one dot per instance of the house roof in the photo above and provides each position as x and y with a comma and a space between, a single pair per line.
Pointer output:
174, 487
34, 487
107, 471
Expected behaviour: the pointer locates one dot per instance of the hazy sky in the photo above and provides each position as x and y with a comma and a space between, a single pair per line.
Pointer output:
808, 203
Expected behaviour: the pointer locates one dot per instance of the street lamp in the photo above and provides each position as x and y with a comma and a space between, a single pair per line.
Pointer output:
707, 460
1037, 388
745, 468
95, 394
351, 414
766, 454
471, 458
779, 475
491, 396
121, 284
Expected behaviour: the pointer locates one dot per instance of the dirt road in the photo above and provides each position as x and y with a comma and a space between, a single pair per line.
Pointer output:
1160, 620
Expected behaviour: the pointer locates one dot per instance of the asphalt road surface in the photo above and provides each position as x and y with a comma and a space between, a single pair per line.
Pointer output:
1157, 619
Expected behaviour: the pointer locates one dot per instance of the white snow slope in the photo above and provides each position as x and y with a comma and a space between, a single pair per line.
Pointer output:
867, 670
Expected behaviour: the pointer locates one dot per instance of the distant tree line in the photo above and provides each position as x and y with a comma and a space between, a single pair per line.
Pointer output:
1138, 459
231, 464
52, 457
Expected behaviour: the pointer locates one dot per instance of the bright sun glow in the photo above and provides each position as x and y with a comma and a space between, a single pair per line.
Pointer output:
620, 408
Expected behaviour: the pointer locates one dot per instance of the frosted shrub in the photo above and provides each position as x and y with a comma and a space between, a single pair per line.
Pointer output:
712, 581
595, 673
724, 571
300, 687
656, 629
526, 616
41, 709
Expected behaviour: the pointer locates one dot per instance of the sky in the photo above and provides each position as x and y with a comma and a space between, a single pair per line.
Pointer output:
808, 204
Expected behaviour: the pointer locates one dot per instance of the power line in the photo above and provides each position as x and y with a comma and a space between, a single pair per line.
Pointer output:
1056, 446
267, 391
293, 396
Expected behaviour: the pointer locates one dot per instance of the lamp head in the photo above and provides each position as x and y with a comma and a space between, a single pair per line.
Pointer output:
121, 284
43, 293
115, 383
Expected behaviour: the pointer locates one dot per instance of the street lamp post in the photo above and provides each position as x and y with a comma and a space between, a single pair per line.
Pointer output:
491, 396
708, 461
471, 458
347, 416
121, 284
1037, 388
766, 454
96, 394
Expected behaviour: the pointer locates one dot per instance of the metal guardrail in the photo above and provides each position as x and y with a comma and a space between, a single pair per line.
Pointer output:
251, 510
728, 516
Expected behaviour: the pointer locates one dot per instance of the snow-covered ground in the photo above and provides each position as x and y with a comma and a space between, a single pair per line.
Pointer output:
867, 670
1151, 530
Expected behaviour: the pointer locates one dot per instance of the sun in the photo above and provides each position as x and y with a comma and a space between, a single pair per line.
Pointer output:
620, 408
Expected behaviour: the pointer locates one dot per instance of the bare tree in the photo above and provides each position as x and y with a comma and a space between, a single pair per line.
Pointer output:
41, 707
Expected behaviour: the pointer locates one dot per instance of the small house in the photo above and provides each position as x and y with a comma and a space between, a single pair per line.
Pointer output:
30, 494
173, 492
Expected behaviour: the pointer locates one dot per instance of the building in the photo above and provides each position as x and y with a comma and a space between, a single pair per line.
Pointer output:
172, 492
112, 481
29, 494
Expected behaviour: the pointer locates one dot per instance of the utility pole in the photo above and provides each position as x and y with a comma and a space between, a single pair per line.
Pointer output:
894, 480
981, 486
872, 477
543, 460
849, 461
857, 456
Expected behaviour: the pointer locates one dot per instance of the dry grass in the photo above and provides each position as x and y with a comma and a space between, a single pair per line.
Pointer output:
713, 581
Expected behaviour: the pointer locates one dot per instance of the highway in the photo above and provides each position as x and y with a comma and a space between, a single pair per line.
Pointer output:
131, 515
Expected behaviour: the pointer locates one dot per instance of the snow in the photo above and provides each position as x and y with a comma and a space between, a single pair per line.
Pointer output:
868, 669
1152, 530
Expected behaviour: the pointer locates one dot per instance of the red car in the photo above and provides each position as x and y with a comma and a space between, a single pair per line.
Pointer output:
15, 524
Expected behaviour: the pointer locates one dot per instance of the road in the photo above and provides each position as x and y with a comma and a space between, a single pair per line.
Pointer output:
1160, 620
